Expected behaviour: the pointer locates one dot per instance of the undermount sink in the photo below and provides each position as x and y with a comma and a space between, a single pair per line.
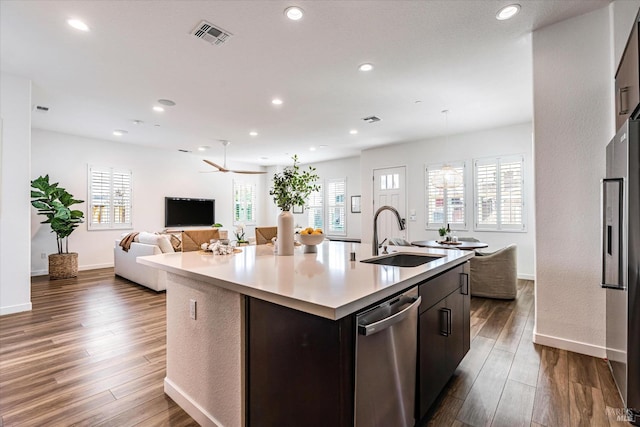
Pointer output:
401, 260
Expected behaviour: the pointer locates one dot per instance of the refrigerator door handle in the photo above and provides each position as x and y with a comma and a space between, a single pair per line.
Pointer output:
612, 229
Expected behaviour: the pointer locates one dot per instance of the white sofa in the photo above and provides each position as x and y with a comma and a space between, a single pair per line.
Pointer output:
126, 266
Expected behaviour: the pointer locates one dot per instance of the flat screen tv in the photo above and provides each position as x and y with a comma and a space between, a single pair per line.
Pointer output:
180, 212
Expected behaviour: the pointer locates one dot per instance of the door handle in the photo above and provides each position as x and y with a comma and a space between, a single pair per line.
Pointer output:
623, 90
445, 313
380, 325
464, 285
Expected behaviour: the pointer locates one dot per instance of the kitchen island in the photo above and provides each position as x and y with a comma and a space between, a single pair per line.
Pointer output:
259, 339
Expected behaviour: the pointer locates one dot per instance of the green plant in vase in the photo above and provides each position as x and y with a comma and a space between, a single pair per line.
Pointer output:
291, 187
442, 232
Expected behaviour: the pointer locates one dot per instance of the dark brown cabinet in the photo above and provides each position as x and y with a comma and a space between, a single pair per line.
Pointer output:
444, 329
627, 84
301, 368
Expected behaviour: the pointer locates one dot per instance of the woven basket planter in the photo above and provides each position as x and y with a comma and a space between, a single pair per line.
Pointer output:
63, 266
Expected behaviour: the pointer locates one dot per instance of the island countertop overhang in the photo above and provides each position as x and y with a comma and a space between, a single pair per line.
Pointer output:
325, 283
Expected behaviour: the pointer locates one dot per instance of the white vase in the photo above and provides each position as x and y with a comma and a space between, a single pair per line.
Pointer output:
285, 233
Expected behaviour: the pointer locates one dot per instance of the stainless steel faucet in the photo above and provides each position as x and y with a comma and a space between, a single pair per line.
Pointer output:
375, 225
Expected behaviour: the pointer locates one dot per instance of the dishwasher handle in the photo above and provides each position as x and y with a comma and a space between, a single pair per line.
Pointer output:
380, 325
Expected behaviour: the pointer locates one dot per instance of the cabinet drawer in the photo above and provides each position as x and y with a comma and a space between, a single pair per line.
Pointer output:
437, 288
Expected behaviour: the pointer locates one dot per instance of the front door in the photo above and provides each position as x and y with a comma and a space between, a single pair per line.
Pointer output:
389, 188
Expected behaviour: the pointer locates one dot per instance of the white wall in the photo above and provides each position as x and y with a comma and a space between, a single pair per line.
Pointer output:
494, 142
573, 122
15, 147
156, 174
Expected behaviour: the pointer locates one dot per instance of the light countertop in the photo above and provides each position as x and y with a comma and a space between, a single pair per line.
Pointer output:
325, 283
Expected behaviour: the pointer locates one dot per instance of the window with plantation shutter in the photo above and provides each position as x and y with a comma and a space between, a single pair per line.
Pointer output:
336, 206
109, 198
314, 209
445, 196
499, 194
244, 202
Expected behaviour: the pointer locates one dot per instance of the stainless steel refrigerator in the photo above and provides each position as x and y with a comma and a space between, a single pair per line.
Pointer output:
621, 263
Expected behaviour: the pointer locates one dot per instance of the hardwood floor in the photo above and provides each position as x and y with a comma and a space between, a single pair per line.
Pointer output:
506, 380
92, 353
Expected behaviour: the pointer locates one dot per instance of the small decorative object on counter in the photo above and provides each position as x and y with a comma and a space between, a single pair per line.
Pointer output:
442, 232
219, 248
239, 232
310, 238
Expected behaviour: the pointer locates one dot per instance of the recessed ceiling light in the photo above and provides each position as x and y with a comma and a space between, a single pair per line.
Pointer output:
323, 146
166, 102
203, 148
276, 101
353, 132
253, 133
78, 24
137, 122
312, 148
264, 158
294, 13
365, 67
158, 109
508, 12
119, 132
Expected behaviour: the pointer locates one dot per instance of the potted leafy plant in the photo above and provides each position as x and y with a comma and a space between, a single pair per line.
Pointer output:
54, 203
291, 187
442, 232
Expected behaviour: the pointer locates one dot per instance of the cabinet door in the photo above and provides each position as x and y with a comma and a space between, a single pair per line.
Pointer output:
627, 80
455, 340
432, 359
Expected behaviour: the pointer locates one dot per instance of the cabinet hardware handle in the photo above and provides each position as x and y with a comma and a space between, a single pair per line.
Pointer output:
623, 90
446, 331
464, 286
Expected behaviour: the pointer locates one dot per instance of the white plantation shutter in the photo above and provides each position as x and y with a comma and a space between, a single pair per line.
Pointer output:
244, 202
511, 202
445, 204
315, 211
499, 193
336, 206
110, 199
121, 197
486, 181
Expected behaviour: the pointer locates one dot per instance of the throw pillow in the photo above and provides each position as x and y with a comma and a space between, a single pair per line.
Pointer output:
175, 242
155, 239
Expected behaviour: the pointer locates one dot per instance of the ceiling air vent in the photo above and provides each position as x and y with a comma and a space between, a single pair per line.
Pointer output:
206, 31
371, 119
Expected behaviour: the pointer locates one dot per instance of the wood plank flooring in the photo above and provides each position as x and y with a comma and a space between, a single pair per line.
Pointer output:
92, 352
506, 380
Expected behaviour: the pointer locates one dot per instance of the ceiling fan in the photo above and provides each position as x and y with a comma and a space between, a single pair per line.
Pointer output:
224, 167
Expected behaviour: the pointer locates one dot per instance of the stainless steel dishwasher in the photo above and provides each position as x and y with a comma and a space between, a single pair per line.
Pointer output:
386, 351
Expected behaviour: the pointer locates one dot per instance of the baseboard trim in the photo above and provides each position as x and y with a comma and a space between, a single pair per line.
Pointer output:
196, 412
526, 277
15, 309
80, 268
94, 266
570, 345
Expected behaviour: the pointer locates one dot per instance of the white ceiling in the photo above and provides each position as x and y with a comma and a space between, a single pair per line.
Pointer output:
446, 54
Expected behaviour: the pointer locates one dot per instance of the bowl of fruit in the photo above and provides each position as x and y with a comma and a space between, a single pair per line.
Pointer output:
310, 238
